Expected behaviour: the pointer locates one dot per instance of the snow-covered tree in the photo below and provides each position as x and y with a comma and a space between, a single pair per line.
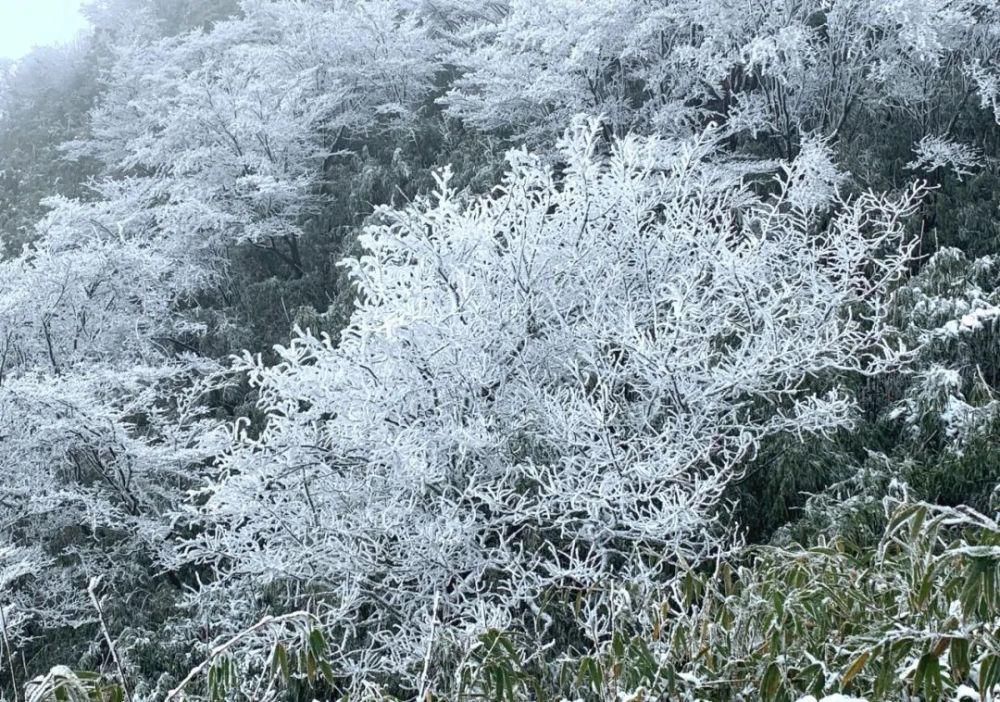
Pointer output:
529, 67
541, 395
115, 21
776, 69
97, 437
934, 152
231, 126
209, 140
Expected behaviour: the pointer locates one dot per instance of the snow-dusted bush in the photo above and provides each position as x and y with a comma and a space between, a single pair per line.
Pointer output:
934, 152
913, 617
916, 616
540, 397
948, 313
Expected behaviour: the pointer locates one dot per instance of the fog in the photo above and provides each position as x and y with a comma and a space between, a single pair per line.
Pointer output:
28, 23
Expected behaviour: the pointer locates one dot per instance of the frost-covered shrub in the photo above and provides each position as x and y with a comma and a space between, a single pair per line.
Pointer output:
914, 617
917, 615
934, 152
948, 314
540, 397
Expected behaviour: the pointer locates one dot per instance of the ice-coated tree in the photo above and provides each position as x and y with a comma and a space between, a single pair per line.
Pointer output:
530, 67
231, 126
128, 20
97, 439
775, 69
209, 139
541, 395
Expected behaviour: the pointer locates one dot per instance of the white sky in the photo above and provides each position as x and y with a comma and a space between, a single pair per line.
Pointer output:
28, 23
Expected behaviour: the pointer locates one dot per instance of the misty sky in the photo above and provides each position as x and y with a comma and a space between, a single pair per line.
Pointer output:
26, 23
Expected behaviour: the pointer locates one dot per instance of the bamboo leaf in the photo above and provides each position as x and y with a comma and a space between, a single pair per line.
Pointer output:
854, 668
771, 682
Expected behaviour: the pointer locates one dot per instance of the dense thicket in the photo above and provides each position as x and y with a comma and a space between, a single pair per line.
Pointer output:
432, 349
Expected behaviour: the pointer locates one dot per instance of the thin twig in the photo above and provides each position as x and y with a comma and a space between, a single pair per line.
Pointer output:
10, 654
424, 692
92, 590
223, 647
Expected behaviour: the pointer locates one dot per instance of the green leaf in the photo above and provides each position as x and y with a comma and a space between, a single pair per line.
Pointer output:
958, 659
281, 662
900, 516
508, 647
989, 585
886, 677
317, 644
310, 666
932, 679
498, 684
927, 677
771, 682
590, 672
972, 589
989, 672
810, 677
327, 671
926, 586
617, 646
644, 660
919, 515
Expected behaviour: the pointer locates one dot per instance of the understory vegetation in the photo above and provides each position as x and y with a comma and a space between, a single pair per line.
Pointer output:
517, 350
